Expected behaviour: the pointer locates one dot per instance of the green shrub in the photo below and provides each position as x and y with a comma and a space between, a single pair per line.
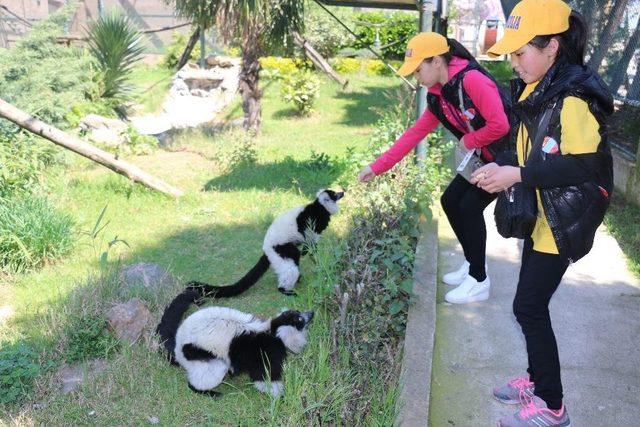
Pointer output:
398, 27
500, 70
323, 32
32, 232
116, 45
19, 366
302, 89
347, 65
88, 337
176, 47
276, 67
239, 150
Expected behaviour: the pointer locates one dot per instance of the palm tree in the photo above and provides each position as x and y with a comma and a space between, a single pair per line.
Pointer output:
260, 26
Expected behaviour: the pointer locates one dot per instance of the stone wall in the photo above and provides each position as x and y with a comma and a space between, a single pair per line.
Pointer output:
626, 177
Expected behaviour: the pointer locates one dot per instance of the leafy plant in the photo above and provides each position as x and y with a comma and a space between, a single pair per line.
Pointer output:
302, 89
19, 366
240, 150
97, 242
396, 30
347, 65
88, 337
116, 45
32, 232
175, 49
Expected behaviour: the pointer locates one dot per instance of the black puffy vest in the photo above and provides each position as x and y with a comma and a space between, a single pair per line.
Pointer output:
573, 212
449, 92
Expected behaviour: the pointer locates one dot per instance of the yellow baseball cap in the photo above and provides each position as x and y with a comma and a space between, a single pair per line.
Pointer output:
531, 18
420, 47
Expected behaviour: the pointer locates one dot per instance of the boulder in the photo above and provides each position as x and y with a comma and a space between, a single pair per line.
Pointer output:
128, 320
151, 276
70, 377
103, 130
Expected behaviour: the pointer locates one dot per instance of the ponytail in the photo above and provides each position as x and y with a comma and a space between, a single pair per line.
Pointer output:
572, 42
455, 49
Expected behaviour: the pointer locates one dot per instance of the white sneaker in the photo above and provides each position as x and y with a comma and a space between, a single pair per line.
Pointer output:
469, 291
457, 277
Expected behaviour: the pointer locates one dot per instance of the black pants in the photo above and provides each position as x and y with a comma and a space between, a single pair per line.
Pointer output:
540, 275
464, 203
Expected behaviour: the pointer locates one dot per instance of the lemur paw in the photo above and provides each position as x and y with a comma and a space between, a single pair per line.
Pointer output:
288, 292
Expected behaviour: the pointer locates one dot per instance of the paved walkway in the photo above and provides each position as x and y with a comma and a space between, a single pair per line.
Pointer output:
596, 318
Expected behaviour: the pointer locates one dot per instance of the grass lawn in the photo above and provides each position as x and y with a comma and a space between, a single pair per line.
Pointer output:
214, 233
622, 222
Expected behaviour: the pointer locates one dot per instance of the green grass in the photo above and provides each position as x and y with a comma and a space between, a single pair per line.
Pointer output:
622, 222
151, 85
214, 233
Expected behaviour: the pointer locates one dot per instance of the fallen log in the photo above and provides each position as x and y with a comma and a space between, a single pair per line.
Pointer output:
74, 144
317, 59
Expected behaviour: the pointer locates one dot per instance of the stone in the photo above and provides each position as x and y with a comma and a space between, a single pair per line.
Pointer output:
103, 130
128, 320
71, 377
151, 276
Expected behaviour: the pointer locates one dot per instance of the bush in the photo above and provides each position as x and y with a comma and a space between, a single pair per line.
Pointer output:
277, 67
88, 337
323, 32
398, 27
176, 47
19, 366
32, 232
240, 150
302, 89
500, 70
347, 65
116, 45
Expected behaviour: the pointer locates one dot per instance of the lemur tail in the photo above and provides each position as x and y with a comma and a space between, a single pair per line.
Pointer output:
171, 319
247, 281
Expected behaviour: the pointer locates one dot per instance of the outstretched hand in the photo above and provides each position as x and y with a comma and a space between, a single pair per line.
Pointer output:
366, 174
493, 178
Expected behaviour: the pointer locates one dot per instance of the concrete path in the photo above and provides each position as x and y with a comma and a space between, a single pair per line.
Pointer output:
596, 318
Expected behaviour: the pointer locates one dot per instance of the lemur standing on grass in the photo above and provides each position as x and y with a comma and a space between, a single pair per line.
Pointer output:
281, 246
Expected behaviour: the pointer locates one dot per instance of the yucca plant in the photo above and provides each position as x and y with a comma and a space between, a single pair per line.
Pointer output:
116, 44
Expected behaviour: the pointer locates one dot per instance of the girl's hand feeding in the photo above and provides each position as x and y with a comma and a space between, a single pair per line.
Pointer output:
366, 174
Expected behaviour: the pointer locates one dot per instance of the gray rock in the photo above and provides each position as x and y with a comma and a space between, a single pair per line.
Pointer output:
151, 276
70, 377
128, 320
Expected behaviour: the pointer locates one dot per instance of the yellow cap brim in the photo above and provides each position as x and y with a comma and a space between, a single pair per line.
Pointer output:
409, 66
509, 44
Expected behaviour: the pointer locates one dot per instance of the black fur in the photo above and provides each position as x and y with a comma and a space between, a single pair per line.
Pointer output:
211, 393
248, 280
288, 251
171, 319
313, 216
193, 352
261, 356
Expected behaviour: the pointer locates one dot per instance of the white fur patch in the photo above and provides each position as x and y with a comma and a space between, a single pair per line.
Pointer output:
330, 205
283, 230
275, 390
206, 375
292, 338
286, 270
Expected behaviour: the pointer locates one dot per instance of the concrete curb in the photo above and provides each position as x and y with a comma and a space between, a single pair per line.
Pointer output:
415, 376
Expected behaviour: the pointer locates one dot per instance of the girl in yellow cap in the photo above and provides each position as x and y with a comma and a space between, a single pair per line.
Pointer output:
465, 99
560, 152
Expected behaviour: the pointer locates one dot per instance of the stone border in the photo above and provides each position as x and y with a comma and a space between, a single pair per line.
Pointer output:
415, 376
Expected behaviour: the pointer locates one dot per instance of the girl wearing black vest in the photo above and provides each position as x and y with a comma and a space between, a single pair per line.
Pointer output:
465, 99
560, 151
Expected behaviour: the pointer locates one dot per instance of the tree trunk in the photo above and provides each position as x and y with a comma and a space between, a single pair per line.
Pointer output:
620, 70
184, 58
606, 36
249, 89
317, 59
74, 144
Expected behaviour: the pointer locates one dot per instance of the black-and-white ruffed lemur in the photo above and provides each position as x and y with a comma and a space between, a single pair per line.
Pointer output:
281, 246
214, 341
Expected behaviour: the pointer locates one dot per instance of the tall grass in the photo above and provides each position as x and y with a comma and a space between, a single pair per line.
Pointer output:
32, 232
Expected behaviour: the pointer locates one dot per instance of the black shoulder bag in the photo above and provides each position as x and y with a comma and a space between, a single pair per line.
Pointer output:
516, 207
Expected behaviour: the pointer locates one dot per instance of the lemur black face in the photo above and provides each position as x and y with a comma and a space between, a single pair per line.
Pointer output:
298, 320
335, 196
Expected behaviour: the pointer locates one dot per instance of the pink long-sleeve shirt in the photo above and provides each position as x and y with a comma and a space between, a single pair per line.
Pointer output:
485, 96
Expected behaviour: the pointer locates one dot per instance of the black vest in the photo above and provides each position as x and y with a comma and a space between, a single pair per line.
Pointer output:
450, 93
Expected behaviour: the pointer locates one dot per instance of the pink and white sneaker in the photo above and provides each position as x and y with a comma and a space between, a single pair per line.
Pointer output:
518, 390
536, 414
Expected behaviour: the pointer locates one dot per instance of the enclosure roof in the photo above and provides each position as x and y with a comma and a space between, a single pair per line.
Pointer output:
381, 4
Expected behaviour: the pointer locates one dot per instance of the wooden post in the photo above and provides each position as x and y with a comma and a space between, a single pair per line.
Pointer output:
317, 59
74, 144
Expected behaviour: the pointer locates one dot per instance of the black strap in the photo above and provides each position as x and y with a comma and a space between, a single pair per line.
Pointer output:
540, 132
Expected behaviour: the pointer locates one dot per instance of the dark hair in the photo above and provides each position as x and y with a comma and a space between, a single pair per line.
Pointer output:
455, 49
572, 42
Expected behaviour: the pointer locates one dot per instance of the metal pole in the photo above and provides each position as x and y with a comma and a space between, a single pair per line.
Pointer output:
426, 24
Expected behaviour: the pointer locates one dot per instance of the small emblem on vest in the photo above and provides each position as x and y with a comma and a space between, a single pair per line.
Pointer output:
470, 114
549, 145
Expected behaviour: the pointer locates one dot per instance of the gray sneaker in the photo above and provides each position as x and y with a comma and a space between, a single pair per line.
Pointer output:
536, 414
518, 390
